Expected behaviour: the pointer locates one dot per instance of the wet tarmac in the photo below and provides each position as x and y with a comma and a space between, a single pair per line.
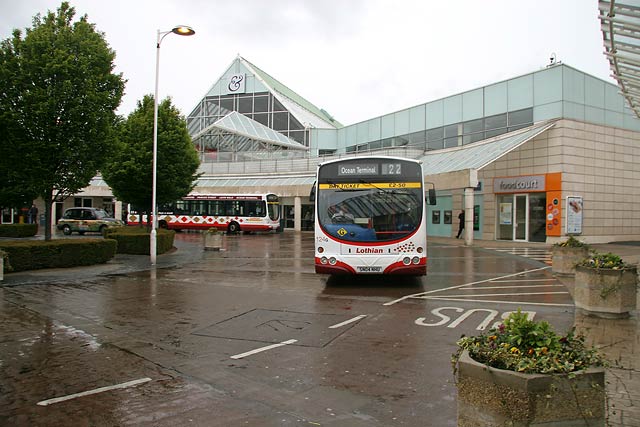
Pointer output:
251, 336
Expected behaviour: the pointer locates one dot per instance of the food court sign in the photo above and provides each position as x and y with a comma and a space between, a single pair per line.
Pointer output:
519, 184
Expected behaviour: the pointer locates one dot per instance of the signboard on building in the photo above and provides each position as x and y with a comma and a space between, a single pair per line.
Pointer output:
236, 83
519, 184
574, 215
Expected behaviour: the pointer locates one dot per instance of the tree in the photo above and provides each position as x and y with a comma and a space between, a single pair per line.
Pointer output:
129, 173
58, 96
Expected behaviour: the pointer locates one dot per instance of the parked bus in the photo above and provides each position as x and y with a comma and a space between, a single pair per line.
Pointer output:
370, 216
226, 212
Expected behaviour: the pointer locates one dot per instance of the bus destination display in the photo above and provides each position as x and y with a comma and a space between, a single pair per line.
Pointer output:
370, 169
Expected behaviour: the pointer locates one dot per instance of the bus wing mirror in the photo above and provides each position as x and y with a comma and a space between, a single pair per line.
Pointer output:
312, 193
432, 197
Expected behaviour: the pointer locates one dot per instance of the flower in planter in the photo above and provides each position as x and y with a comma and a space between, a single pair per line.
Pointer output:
572, 242
527, 346
212, 230
608, 260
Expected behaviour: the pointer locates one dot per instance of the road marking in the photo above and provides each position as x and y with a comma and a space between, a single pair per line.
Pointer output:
261, 349
420, 321
500, 295
538, 254
444, 298
422, 294
512, 287
95, 391
346, 322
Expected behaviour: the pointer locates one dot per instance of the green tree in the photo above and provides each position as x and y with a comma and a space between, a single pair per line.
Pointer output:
58, 96
129, 173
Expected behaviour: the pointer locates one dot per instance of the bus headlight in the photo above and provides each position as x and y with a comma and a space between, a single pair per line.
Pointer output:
406, 260
415, 260
323, 260
320, 249
332, 261
420, 249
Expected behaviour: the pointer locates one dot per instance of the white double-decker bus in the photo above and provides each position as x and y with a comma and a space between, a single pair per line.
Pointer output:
370, 217
226, 212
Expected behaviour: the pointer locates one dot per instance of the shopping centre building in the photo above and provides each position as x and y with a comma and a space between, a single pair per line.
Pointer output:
532, 158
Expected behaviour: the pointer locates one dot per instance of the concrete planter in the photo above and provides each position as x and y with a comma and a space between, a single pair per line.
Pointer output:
212, 241
605, 292
565, 258
496, 397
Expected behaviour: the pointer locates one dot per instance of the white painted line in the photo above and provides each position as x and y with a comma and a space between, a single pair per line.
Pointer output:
506, 295
513, 287
346, 322
261, 349
524, 280
95, 391
443, 298
465, 284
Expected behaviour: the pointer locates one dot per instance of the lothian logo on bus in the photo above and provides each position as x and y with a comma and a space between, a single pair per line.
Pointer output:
368, 250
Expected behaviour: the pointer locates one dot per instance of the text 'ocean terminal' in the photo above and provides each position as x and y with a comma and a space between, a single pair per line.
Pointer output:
358, 170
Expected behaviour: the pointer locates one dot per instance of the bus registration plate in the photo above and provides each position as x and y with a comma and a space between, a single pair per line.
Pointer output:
369, 269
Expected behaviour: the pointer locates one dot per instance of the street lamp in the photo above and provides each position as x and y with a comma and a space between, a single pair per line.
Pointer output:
181, 30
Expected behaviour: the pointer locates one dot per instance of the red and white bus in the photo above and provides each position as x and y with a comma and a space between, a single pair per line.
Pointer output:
370, 216
226, 212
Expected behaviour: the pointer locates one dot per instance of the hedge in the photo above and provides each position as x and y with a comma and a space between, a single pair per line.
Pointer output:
135, 239
36, 254
18, 230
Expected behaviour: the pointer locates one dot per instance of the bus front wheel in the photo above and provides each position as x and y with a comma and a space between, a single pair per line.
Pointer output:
234, 227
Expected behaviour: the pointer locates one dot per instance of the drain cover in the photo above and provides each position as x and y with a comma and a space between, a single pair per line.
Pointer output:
274, 326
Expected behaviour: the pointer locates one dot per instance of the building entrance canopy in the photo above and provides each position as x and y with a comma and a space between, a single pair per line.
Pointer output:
480, 154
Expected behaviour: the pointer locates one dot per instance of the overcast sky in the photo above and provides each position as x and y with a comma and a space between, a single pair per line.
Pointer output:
357, 59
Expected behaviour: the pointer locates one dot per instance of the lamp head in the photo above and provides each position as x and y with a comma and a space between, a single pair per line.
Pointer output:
183, 30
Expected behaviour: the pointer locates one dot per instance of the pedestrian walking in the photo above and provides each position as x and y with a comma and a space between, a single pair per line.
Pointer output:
461, 226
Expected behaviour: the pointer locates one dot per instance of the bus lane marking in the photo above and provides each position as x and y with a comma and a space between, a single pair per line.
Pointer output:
444, 318
346, 322
94, 391
261, 349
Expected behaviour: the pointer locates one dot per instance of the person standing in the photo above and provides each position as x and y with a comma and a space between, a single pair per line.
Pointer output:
461, 226
33, 215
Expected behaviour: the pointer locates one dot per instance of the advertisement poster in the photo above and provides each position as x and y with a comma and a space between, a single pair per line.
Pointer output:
574, 215
506, 215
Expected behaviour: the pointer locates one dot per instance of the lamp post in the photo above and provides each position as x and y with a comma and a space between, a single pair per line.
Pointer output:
181, 30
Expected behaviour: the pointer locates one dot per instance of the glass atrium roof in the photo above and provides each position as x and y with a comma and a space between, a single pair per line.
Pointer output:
620, 25
239, 124
480, 154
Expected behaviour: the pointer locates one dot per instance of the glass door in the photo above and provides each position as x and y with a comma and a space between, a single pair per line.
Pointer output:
513, 217
521, 217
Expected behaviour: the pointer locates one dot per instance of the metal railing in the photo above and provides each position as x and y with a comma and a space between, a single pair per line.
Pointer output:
294, 165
